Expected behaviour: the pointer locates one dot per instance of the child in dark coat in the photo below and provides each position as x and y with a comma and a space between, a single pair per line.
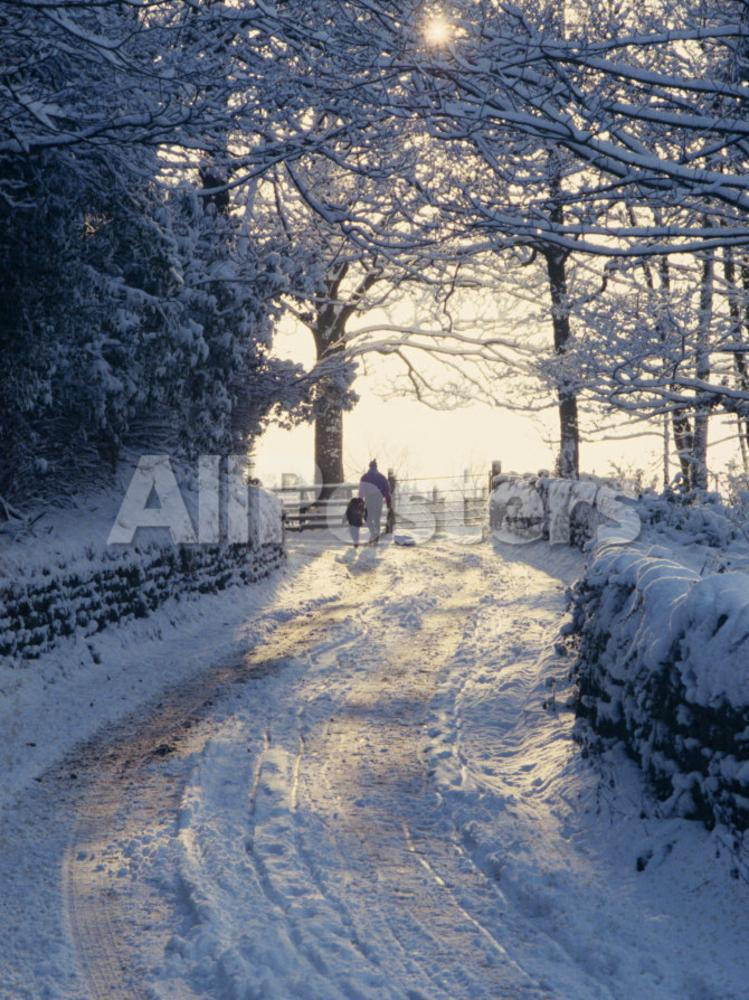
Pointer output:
356, 515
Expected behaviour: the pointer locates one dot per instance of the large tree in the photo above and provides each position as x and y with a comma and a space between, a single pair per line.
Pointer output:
354, 299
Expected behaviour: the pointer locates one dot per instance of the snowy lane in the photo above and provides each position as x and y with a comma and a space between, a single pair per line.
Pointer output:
285, 838
381, 799
360, 885
367, 779
123, 894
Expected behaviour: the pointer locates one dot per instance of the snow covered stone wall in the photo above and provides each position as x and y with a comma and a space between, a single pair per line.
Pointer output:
83, 595
562, 511
664, 667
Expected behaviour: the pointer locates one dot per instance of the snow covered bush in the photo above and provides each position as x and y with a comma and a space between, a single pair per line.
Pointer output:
138, 304
664, 667
132, 319
705, 518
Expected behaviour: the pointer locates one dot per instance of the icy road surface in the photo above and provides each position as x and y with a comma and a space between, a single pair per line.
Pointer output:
380, 799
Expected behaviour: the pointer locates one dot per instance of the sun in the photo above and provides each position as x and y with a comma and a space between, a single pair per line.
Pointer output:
437, 31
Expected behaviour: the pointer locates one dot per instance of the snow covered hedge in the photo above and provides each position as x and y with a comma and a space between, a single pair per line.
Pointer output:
664, 667
87, 594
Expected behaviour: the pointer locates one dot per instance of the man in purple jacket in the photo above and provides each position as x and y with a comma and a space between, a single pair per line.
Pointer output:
375, 490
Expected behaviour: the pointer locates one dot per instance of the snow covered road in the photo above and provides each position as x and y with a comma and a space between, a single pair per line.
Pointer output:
380, 799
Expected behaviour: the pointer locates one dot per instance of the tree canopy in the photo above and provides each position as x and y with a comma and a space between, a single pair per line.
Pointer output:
174, 175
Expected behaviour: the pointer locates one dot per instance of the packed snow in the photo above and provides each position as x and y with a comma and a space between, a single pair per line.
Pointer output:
355, 780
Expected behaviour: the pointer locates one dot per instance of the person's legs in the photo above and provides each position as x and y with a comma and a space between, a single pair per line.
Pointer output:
374, 516
355, 529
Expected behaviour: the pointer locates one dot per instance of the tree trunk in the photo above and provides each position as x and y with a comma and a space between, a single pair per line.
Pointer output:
684, 442
329, 446
739, 359
666, 452
568, 462
702, 370
329, 332
329, 421
682, 425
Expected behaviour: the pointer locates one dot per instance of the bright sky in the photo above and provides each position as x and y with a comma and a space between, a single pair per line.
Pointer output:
417, 441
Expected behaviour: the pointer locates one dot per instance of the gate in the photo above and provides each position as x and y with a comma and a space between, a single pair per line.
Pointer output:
426, 506
443, 505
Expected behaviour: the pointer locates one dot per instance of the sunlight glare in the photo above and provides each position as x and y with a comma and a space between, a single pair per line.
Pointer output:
438, 31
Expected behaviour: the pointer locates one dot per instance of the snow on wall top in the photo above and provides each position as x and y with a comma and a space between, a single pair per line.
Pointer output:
524, 508
75, 538
266, 512
700, 622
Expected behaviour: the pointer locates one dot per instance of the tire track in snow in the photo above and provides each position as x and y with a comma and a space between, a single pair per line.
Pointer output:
121, 924
126, 796
481, 928
443, 946
341, 774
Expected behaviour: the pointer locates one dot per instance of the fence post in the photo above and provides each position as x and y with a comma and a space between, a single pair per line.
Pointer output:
392, 481
393, 484
438, 511
496, 471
